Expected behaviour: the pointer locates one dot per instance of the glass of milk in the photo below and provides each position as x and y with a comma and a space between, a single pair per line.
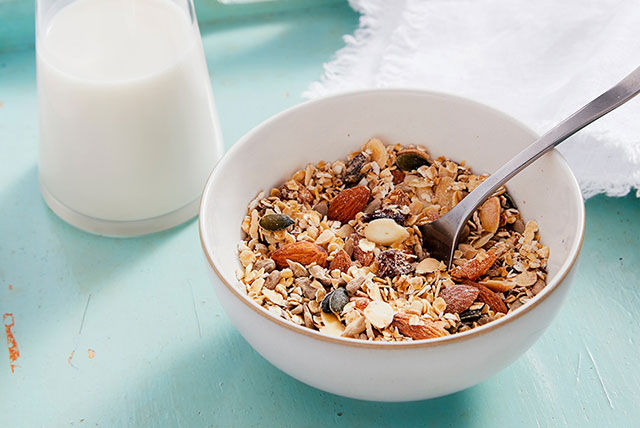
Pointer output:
128, 130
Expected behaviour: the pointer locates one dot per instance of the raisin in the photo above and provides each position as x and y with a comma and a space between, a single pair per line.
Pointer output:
393, 262
335, 301
395, 213
352, 175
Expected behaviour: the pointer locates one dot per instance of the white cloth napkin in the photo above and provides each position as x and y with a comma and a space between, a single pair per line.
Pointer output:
538, 60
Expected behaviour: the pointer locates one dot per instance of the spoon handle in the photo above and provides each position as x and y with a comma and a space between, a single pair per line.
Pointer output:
626, 89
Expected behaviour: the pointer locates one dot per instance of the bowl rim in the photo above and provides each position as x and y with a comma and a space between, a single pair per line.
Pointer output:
564, 270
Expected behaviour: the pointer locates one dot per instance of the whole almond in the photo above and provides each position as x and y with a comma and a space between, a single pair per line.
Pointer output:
348, 203
476, 267
341, 261
459, 297
301, 252
426, 329
489, 297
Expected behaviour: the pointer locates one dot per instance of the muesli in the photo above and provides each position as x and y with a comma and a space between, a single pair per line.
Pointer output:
337, 248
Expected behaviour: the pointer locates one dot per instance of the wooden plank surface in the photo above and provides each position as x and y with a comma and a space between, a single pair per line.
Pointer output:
128, 332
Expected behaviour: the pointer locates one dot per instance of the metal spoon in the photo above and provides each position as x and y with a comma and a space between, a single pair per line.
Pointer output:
441, 237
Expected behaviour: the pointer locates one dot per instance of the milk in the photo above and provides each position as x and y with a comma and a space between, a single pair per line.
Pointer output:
128, 128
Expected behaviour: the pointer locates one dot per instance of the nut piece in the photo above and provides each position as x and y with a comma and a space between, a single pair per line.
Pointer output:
379, 314
305, 196
297, 269
459, 297
348, 203
489, 214
359, 255
320, 274
274, 297
385, 231
355, 327
372, 206
322, 207
429, 265
325, 237
301, 252
489, 297
354, 285
345, 231
272, 280
424, 329
378, 152
341, 261
267, 264
308, 288
411, 159
332, 325
518, 225
476, 267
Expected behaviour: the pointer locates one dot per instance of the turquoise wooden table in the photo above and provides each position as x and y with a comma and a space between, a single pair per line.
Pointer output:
128, 332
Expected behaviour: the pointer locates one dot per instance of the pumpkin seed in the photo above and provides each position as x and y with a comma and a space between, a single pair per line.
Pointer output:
324, 305
275, 222
338, 301
335, 301
411, 159
470, 315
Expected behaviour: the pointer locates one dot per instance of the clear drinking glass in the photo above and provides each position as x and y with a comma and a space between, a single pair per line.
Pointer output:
128, 130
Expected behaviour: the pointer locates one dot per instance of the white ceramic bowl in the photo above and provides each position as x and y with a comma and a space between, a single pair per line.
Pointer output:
331, 128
